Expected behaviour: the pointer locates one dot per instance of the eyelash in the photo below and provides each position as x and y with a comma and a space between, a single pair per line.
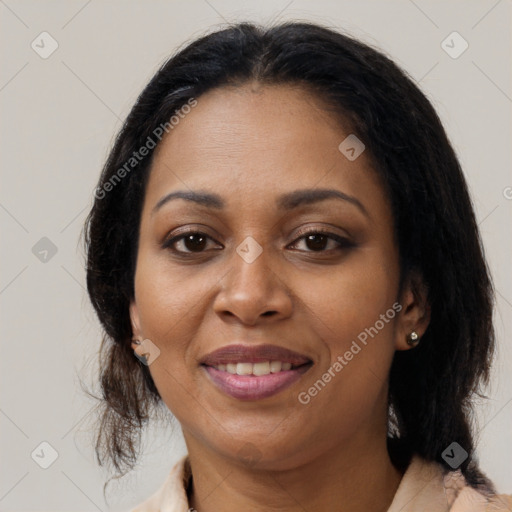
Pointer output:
343, 243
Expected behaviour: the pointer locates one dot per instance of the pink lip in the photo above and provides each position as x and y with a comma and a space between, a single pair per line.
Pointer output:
252, 387
253, 354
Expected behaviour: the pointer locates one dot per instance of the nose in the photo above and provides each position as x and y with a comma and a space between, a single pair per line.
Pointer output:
252, 291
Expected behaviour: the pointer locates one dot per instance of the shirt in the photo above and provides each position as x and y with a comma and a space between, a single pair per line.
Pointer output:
424, 487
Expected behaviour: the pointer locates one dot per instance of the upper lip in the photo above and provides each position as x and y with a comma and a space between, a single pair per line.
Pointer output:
239, 353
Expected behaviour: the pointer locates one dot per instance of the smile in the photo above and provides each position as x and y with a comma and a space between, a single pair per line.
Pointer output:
254, 372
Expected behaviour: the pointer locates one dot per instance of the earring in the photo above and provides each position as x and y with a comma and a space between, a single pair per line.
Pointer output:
143, 358
413, 339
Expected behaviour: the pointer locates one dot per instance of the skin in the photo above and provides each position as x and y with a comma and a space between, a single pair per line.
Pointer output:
250, 145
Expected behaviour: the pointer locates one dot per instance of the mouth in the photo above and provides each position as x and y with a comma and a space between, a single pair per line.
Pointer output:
254, 372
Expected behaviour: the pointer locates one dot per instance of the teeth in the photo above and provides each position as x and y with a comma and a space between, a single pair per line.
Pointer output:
244, 368
261, 368
264, 368
275, 366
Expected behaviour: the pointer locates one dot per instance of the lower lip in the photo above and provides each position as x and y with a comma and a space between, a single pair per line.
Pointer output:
252, 387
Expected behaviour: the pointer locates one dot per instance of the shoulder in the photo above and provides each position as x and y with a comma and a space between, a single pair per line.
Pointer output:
464, 498
171, 496
427, 487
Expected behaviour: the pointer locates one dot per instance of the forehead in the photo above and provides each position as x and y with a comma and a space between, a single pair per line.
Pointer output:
247, 143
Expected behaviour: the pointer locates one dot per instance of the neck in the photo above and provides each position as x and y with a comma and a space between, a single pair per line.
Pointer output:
356, 476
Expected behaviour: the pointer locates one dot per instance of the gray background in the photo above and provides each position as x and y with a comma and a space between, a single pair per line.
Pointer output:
59, 116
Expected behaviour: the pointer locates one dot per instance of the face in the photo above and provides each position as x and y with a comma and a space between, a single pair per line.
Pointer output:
281, 268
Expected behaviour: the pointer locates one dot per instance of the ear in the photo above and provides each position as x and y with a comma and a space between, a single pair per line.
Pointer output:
135, 321
415, 312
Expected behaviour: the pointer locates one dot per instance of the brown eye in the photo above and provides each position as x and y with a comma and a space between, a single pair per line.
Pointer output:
192, 242
316, 242
319, 241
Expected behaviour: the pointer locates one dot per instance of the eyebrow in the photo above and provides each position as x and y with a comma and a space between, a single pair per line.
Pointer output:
287, 201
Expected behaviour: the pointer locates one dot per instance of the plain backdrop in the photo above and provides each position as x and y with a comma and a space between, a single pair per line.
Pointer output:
59, 116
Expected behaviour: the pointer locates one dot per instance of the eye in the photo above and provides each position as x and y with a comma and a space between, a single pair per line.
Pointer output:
196, 242
322, 241
188, 243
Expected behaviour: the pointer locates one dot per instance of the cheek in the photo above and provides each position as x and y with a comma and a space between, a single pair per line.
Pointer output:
352, 312
168, 305
351, 297
169, 312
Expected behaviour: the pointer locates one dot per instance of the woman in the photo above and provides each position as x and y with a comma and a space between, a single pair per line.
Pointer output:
283, 252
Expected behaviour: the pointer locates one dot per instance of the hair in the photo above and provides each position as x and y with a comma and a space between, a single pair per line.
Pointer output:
431, 388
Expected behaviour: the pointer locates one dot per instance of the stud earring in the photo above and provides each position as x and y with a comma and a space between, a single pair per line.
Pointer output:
413, 339
143, 358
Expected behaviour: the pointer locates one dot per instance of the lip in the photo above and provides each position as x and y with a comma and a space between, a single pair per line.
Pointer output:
253, 354
252, 387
